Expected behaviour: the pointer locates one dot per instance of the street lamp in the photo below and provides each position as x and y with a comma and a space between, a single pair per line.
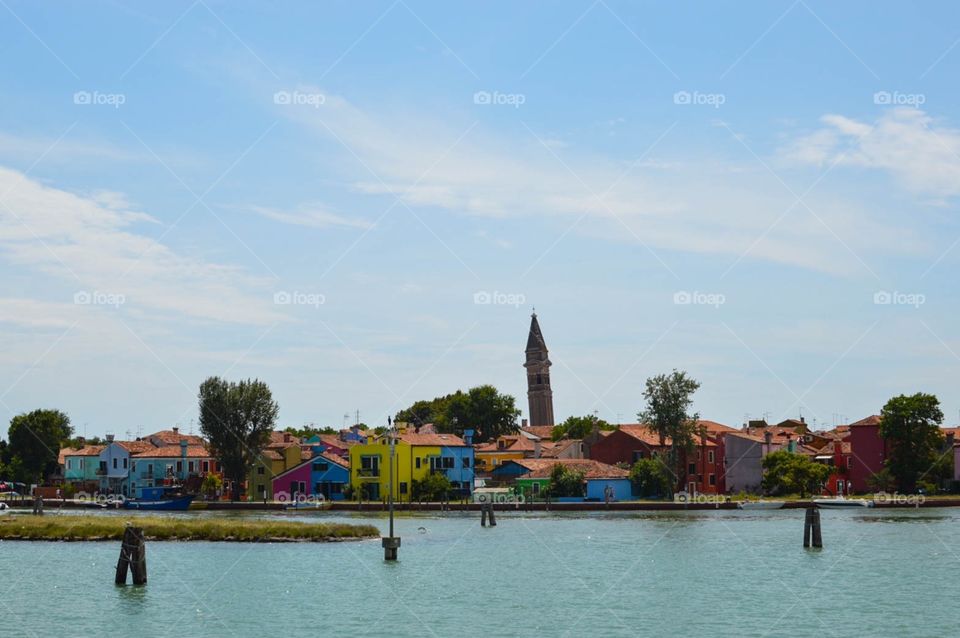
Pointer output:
391, 543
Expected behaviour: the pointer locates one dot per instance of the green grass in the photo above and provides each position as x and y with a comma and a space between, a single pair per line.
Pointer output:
103, 528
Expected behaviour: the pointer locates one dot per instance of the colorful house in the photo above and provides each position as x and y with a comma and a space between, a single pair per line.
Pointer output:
507, 447
601, 481
168, 465
869, 452
323, 475
282, 452
416, 456
81, 467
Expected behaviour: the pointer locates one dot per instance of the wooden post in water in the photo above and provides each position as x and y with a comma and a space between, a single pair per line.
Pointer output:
486, 510
38, 506
811, 528
133, 555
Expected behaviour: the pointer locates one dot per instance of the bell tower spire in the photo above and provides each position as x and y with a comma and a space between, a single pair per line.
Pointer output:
539, 394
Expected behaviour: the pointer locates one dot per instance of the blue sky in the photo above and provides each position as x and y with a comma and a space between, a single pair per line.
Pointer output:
763, 194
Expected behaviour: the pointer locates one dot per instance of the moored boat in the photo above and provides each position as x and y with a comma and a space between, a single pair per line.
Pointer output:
175, 504
760, 505
4, 508
841, 502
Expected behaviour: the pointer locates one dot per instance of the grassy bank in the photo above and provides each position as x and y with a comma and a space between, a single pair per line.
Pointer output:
102, 528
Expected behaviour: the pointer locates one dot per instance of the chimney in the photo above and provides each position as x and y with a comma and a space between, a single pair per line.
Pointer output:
536, 449
523, 423
183, 448
768, 439
468, 437
176, 430
109, 438
287, 437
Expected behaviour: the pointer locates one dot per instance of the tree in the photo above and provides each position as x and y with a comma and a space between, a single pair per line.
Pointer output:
483, 409
667, 411
211, 485
789, 472
881, 481
911, 426
236, 418
578, 427
309, 431
650, 477
35, 443
433, 487
565, 481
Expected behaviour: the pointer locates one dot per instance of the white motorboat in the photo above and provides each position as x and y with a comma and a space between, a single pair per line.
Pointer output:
841, 502
4, 508
760, 505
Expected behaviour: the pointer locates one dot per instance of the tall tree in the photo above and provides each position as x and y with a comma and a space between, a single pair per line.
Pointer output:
34, 445
236, 418
911, 426
789, 472
483, 409
667, 411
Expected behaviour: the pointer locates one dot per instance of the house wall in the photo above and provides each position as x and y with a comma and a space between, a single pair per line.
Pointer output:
621, 489
116, 459
869, 452
618, 447
744, 464
336, 476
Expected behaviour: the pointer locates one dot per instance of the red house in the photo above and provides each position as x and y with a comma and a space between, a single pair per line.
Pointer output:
867, 450
632, 442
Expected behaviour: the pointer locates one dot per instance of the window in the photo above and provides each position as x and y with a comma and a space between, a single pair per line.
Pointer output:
114, 462
190, 466
698, 455
321, 467
713, 479
260, 469
206, 466
710, 456
125, 463
403, 487
179, 467
418, 462
69, 464
692, 469
447, 462
849, 462
466, 461
536, 489
81, 464
637, 455
370, 465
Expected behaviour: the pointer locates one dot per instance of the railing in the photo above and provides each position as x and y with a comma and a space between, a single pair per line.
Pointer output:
101, 471
368, 472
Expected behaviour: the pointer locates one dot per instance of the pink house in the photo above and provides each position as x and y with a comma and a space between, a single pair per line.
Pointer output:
868, 451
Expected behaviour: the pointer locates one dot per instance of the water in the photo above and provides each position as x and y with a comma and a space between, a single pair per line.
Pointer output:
720, 573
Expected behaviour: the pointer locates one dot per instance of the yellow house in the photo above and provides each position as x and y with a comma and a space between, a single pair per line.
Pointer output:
508, 447
282, 452
415, 457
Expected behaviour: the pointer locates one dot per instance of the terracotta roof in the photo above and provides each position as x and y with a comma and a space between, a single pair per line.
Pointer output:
133, 447
511, 443
645, 434
558, 447
873, 419
744, 435
333, 458
335, 441
280, 440
169, 437
541, 468
542, 431
442, 440
174, 451
715, 428
273, 455
86, 450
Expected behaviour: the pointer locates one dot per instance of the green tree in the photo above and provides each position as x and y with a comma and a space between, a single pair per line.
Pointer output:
236, 418
788, 472
650, 477
308, 431
211, 484
911, 426
881, 481
578, 427
669, 398
35, 443
483, 409
565, 481
433, 487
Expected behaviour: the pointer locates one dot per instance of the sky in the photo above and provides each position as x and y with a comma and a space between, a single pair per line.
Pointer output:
362, 203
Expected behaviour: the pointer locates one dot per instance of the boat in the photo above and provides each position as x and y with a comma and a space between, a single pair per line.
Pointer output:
320, 504
4, 509
841, 502
761, 505
176, 504
159, 498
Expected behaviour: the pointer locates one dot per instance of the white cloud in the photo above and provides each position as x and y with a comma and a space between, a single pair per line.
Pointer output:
923, 155
311, 215
88, 243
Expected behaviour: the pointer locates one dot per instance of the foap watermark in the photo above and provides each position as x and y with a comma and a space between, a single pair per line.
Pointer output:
298, 298
96, 98
299, 498
896, 98
496, 98
497, 298
699, 499
697, 298
299, 98
696, 98
98, 298
915, 500
897, 298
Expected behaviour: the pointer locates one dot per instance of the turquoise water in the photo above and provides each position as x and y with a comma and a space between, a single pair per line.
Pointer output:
720, 573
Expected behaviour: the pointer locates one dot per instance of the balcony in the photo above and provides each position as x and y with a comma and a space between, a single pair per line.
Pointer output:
101, 471
369, 472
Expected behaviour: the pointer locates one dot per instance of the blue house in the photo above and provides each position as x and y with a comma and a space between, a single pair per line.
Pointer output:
601, 482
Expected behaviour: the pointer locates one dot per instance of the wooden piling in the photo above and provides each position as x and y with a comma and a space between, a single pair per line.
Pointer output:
133, 556
811, 528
